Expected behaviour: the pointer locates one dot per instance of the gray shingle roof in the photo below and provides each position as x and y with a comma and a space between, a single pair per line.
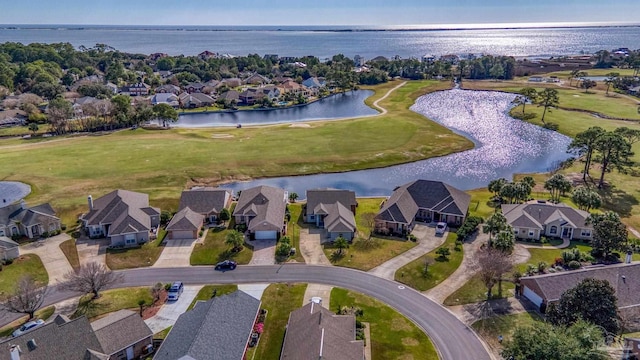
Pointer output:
536, 215
41, 214
217, 329
313, 327
330, 196
120, 330
205, 200
339, 219
126, 211
185, 219
7, 243
269, 205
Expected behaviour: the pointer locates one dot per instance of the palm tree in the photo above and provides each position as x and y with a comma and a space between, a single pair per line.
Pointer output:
235, 239
341, 243
293, 197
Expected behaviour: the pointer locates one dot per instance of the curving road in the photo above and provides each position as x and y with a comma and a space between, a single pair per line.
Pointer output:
452, 339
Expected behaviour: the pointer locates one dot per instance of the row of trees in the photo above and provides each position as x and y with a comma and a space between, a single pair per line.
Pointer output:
547, 98
512, 192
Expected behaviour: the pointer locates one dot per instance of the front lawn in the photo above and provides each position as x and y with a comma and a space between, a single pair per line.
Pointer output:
29, 264
474, 291
439, 268
279, 300
205, 293
112, 300
214, 250
143, 256
392, 335
71, 252
367, 254
502, 325
293, 229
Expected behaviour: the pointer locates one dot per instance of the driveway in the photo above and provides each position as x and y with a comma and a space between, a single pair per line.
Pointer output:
264, 252
170, 311
92, 250
54, 260
176, 253
427, 242
311, 247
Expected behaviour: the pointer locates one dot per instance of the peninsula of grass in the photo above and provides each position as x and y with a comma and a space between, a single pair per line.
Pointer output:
142, 256
279, 300
112, 300
161, 163
214, 250
392, 335
438, 268
207, 292
71, 253
29, 264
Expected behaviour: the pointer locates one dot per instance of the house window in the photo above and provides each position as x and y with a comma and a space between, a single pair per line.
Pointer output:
531, 233
1, 232
516, 231
553, 230
130, 241
586, 233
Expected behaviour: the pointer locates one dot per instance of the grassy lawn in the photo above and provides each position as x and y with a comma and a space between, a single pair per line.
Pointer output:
279, 300
43, 314
137, 160
293, 229
439, 269
162, 334
214, 250
205, 293
145, 255
489, 329
28, 264
71, 252
392, 335
112, 300
549, 255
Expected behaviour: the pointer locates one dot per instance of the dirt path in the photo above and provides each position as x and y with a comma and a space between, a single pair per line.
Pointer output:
384, 110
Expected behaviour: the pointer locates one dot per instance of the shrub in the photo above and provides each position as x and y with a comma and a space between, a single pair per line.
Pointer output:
558, 261
542, 266
574, 265
8, 261
200, 233
63, 227
412, 237
45, 234
469, 226
443, 252
167, 286
283, 249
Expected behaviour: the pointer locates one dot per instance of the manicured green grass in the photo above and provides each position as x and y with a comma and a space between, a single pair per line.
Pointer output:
71, 252
112, 300
293, 229
593, 72
279, 300
143, 256
138, 160
548, 255
366, 254
43, 314
439, 268
502, 325
214, 250
205, 293
28, 264
162, 334
392, 335
474, 291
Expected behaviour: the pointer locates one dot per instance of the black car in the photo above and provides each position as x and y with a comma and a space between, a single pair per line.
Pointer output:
226, 265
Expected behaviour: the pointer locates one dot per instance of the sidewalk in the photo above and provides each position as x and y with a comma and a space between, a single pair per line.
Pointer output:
311, 249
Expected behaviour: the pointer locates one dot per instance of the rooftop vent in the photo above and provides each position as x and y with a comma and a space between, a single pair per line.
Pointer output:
31, 344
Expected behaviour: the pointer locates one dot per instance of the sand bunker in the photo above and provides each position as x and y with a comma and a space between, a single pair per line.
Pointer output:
300, 125
221, 136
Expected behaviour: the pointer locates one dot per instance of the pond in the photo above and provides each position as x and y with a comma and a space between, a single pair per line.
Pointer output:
504, 146
347, 105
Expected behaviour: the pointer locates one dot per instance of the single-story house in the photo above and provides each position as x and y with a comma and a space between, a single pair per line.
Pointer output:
206, 201
9, 249
262, 209
195, 100
219, 328
540, 218
231, 82
185, 224
206, 55
314, 83
290, 86
314, 332
333, 210
165, 98
122, 335
168, 89
123, 216
624, 278
229, 96
194, 88
422, 200
256, 79
19, 220
13, 117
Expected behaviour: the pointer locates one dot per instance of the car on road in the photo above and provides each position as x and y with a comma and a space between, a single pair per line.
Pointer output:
441, 227
175, 290
28, 326
226, 265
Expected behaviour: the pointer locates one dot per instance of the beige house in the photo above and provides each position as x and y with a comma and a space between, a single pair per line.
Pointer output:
540, 218
262, 209
17, 219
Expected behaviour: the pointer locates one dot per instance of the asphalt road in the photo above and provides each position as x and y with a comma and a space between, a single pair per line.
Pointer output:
452, 339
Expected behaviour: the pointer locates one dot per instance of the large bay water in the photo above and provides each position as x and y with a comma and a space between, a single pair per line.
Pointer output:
504, 146
325, 42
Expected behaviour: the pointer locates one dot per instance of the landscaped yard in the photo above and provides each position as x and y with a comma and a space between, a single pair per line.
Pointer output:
28, 264
293, 229
214, 250
71, 252
205, 293
43, 314
392, 335
279, 300
491, 328
439, 268
128, 258
112, 300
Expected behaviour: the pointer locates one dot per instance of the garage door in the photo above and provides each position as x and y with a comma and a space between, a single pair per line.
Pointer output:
266, 235
533, 297
183, 234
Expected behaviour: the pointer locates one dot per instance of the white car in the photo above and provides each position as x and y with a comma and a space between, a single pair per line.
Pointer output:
175, 291
441, 227
28, 326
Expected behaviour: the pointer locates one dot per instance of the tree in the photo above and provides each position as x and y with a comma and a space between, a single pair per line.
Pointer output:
573, 75
611, 79
505, 240
165, 113
33, 127
341, 243
492, 264
496, 185
557, 185
584, 144
495, 224
508, 192
369, 220
90, 278
548, 98
609, 233
614, 152
156, 291
225, 215
530, 94
542, 341
141, 304
586, 198
443, 252
235, 239
59, 111
591, 300
497, 71
27, 297
293, 197
632, 136
588, 84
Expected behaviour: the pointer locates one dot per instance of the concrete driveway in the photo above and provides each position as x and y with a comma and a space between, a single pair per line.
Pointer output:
176, 253
311, 247
170, 311
264, 252
54, 260
92, 250
427, 241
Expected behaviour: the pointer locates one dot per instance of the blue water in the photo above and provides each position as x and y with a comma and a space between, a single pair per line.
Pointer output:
350, 104
504, 146
324, 42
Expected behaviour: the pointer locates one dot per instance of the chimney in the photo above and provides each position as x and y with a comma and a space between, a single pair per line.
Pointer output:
15, 352
90, 201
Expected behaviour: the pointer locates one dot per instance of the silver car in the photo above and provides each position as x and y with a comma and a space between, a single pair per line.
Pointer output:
441, 227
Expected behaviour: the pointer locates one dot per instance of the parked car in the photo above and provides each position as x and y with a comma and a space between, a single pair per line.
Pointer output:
175, 290
441, 227
28, 326
226, 265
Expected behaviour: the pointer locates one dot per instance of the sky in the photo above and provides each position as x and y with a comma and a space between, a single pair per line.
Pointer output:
318, 12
